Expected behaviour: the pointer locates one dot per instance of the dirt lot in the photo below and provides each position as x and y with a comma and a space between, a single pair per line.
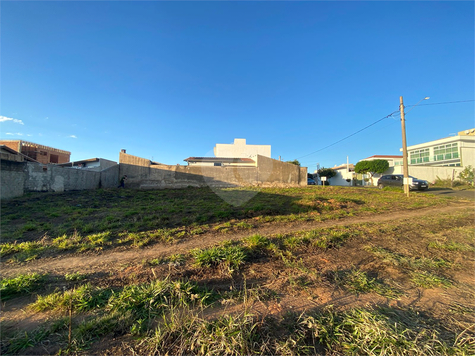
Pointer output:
298, 271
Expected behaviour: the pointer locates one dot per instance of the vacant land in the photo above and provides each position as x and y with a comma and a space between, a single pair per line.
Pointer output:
315, 270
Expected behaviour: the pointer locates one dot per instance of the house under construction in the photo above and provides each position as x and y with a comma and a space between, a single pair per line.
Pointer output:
40, 153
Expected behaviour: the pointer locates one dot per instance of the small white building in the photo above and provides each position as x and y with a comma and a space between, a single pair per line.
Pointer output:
344, 175
240, 149
92, 164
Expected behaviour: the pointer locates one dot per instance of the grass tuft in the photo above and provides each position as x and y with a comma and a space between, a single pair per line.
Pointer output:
232, 256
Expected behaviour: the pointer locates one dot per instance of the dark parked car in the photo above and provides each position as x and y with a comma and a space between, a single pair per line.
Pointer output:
310, 181
397, 180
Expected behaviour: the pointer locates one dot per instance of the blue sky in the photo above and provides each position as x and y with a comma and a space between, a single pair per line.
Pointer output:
169, 80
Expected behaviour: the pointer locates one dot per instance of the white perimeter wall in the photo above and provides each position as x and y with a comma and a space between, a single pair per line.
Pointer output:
428, 173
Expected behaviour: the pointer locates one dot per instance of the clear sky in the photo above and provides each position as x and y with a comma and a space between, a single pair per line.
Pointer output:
169, 80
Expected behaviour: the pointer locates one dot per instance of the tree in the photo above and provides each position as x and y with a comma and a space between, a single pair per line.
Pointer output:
326, 172
296, 162
372, 167
467, 175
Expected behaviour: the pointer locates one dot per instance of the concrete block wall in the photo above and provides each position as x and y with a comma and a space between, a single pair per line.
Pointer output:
110, 177
12, 178
430, 174
20, 177
142, 174
50, 178
165, 176
277, 173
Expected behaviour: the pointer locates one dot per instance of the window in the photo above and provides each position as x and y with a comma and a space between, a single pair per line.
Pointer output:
419, 156
444, 152
218, 164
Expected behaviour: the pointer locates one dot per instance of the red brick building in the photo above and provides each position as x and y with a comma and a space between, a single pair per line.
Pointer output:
40, 153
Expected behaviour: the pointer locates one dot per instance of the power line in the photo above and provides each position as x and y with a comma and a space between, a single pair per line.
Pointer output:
446, 102
364, 128
374, 123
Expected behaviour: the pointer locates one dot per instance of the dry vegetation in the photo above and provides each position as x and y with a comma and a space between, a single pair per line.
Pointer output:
328, 271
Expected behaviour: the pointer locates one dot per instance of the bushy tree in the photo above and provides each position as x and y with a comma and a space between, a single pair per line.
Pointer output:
372, 167
326, 172
467, 175
296, 162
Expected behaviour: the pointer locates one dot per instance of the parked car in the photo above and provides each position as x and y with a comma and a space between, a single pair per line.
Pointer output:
397, 180
310, 181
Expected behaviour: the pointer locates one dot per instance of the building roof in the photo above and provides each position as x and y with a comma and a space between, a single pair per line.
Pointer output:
32, 144
351, 166
219, 159
383, 156
441, 141
75, 163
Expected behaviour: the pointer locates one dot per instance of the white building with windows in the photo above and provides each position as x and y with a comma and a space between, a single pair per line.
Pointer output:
453, 151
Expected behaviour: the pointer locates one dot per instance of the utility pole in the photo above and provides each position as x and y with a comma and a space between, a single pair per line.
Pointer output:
404, 148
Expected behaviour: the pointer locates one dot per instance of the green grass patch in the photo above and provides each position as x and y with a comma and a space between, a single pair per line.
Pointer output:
256, 242
408, 261
83, 243
22, 252
357, 281
92, 212
429, 280
185, 332
450, 246
82, 298
75, 276
153, 298
20, 285
379, 332
232, 256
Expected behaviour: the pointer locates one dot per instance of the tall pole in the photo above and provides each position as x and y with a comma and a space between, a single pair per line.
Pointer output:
404, 148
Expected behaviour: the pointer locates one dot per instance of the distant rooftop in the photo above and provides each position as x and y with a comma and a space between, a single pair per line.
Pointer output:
384, 156
351, 166
32, 144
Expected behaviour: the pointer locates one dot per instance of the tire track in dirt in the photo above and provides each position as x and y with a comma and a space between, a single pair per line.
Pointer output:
110, 260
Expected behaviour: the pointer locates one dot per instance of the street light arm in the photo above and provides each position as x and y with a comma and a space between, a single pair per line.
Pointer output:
426, 98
